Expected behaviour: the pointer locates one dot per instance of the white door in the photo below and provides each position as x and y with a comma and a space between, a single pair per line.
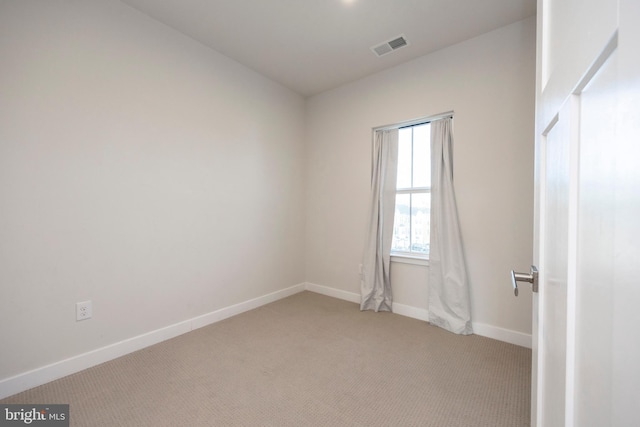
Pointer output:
586, 315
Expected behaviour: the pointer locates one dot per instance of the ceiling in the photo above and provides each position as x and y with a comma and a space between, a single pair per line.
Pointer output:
311, 46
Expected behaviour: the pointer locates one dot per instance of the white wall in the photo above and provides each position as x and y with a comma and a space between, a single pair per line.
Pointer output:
163, 181
489, 82
139, 170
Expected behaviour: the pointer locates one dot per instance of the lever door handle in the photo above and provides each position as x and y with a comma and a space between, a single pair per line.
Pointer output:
531, 277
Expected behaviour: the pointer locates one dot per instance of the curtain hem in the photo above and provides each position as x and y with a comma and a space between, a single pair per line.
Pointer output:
460, 328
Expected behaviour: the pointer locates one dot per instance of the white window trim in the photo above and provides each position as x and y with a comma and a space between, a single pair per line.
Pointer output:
409, 259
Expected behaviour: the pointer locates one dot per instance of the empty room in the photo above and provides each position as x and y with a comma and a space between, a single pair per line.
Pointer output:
299, 212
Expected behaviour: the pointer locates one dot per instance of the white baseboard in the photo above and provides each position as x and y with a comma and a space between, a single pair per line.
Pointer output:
410, 311
332, 292
501, 334
24, 381
224, 313
494, 332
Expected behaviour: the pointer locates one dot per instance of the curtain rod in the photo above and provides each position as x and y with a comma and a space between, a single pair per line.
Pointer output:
415, 122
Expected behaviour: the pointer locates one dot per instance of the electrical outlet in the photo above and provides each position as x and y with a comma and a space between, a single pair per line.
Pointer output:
84, 310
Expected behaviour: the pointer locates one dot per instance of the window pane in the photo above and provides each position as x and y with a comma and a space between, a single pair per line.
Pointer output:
401, 224
420, 222
421, 155
404, 158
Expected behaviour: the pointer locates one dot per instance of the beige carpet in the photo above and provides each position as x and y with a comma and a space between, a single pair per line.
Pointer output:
307, 360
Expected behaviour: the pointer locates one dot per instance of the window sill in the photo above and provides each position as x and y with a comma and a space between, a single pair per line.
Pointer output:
404, 259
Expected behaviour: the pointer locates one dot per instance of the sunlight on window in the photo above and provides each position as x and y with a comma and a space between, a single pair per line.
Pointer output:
412, 222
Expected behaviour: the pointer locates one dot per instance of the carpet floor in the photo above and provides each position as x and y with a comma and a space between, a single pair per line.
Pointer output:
306, 360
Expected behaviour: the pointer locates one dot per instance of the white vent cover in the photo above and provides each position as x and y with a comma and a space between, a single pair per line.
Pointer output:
390, 45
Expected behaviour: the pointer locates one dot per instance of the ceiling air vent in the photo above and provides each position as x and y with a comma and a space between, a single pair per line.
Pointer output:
390, 46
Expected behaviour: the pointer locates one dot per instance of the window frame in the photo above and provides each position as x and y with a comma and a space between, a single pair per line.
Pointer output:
411, 254
410, 257
402, 257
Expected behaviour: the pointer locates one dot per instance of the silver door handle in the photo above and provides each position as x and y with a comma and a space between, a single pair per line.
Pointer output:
532, 278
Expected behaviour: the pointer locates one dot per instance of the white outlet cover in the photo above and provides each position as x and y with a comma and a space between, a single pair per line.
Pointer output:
84, 310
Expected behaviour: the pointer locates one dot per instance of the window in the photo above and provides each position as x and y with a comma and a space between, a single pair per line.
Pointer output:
412, 220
